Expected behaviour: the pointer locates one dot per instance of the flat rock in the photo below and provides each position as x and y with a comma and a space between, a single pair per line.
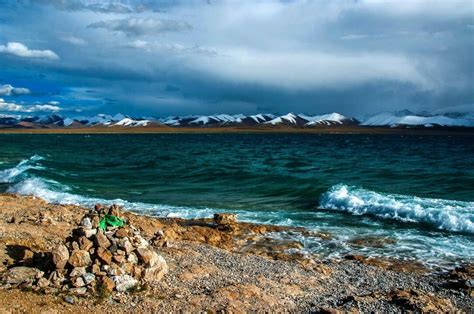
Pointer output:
21, 274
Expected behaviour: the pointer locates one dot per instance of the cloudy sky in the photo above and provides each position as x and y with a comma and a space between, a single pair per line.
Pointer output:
167, 57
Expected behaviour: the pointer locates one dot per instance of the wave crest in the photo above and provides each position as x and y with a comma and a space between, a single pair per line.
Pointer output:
442, 214
11, 174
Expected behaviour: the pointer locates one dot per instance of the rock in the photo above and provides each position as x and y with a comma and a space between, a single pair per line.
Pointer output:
225, 219
123, 232
79, 291
127, 245
21, 274
97, 207
413, 300
119, 259
156, 273
88, 278
90, 232
114, 210
147, 256
108, 284
124, 282
43, 282
132, 258
56, 278
60, 256
139, 241
104, 256
95, 221
77, 272
69, 299
101, 240
85, 244
79, 258
79, 282
75, 246
86, 223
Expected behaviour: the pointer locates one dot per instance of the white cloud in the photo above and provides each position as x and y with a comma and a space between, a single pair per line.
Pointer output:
142, 26
9, 90
13, 107
311, 69
73, 40
20, 50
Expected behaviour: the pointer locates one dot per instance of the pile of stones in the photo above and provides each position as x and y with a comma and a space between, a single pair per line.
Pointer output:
117, 259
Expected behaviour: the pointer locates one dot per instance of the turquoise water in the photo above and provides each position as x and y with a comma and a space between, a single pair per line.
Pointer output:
417, 190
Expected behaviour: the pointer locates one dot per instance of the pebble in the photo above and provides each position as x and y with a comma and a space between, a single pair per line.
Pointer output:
69, 299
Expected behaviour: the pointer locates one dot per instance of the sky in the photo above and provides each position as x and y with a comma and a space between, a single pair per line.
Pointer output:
178, 57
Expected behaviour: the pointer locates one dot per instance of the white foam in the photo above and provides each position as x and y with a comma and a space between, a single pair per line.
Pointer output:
439, 213
9, 175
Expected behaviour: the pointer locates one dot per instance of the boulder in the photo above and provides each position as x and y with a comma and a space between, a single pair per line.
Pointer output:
60, 256
79, 258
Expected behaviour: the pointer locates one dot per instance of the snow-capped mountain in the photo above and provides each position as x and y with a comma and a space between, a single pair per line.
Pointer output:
401, 119
406, 118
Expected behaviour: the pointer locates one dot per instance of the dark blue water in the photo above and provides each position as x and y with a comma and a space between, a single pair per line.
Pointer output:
417, 190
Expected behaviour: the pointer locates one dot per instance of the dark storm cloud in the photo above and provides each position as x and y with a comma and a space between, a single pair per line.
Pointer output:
354, 57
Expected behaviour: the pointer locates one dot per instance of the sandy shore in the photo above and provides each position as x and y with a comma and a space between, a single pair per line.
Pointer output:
236, 270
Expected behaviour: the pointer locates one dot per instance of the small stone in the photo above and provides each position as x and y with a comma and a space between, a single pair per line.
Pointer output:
95, 221
88, 278
69, 299
75, 246
124, 282
56, 278
97, 207
79, 291
101, 240
77, 272
80, 258
127, 246
139, 241
104, 256
113, 248
95, 269
127, 268
90, 232
60, 256
114, 210
147, 256
108, 284
79, 282
86, 223
120, 252
119, 259
43, 282
132, 258
91, 251
85, 244
123, 232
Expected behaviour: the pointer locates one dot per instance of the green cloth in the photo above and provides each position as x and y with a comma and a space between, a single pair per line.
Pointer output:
110, 221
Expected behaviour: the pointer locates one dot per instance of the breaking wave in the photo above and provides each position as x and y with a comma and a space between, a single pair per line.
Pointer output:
11, 174
442, 214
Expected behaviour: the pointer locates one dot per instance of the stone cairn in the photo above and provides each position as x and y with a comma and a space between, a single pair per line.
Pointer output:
118, 259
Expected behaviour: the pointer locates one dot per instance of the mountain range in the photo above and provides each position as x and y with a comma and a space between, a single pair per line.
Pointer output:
401, 119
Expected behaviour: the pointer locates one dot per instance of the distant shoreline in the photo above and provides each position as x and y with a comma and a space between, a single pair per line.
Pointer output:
253, 130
